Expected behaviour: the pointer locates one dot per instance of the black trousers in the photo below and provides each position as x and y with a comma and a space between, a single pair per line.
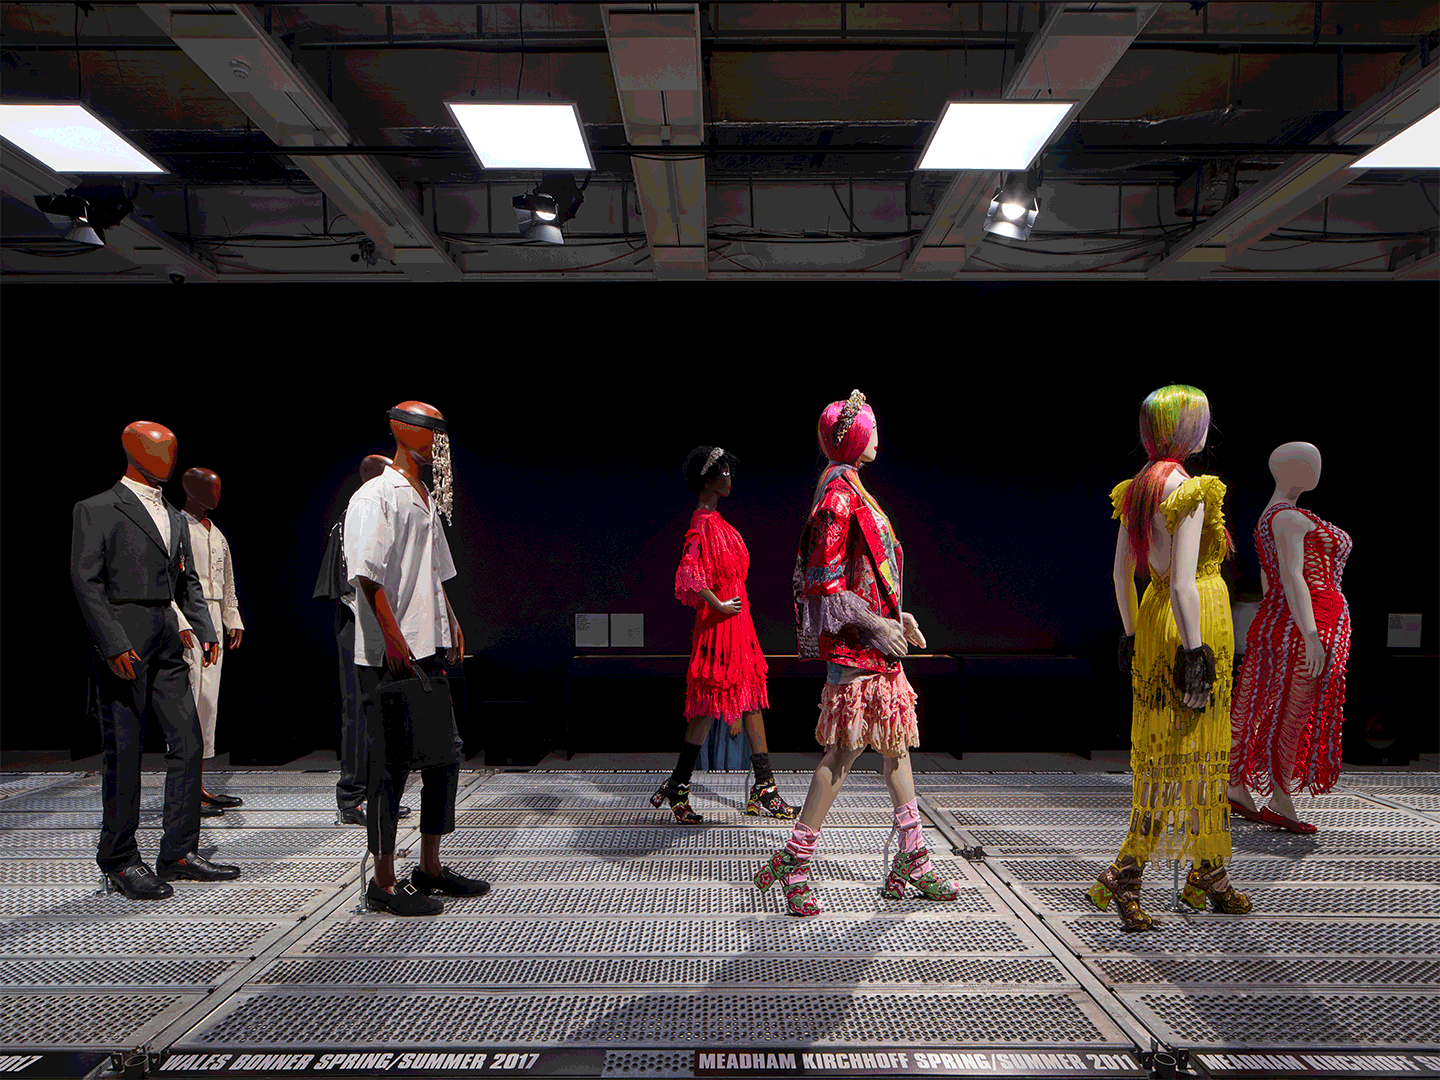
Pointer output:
387, 782
161, 687
354, 753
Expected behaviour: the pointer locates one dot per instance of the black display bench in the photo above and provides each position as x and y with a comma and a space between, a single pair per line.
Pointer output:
633, 702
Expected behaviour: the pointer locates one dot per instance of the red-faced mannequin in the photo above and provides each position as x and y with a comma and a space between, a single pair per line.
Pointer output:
202, 494
414, 445
150, 451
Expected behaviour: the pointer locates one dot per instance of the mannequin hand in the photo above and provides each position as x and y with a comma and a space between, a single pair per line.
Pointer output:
456, 651
122, 664
1314, 661
187, 638
212, 653
728, 608
1194, 675
234, 637
912, 629
735, 727
890, 640
1126, 655
399, 662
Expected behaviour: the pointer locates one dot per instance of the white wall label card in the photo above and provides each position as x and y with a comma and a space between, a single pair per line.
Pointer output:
1404, 632
592, 631
627, 631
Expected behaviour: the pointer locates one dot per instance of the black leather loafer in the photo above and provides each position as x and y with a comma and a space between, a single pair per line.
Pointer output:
220, 800
195, 868
211, 811
405, 900
449, 883
138, 883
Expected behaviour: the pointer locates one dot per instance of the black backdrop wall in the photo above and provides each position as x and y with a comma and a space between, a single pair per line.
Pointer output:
1006, 415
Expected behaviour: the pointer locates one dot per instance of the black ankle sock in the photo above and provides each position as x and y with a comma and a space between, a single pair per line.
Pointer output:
761, 764
689, 752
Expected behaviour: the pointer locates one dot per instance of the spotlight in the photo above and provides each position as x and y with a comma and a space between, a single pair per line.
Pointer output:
535, 214
1013, 209
88, 220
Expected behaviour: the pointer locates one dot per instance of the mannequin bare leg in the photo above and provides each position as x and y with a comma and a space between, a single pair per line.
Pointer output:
911, 865
825, 784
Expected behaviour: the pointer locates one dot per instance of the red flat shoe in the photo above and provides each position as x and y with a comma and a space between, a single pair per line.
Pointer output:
1269, 817
1244, 812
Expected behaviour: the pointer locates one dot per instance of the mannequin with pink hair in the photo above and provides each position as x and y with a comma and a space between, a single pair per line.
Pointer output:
1176, 649
847, 589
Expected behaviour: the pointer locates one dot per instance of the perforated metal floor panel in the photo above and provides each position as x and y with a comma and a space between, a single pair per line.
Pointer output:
613, 931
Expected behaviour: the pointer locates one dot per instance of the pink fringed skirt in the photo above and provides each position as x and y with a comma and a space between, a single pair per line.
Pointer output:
878, 712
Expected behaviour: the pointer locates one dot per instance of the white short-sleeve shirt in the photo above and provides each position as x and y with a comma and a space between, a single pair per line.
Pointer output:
394, 539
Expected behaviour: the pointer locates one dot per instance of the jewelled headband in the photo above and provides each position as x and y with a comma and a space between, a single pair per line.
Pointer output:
715, 455
847, 416
434, 423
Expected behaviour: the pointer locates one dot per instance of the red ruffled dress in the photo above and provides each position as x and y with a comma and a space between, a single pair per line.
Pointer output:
1281, 724
726, 677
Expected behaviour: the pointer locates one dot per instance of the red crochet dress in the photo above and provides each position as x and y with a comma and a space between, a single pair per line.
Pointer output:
1283, 725
727, 670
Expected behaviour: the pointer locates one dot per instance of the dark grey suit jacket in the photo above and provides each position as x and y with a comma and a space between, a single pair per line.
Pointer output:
116, 555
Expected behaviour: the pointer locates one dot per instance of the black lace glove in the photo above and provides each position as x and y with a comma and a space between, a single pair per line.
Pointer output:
1194, 669
1126, 654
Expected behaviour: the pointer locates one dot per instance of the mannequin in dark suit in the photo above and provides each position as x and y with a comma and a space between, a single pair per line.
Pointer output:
125, 576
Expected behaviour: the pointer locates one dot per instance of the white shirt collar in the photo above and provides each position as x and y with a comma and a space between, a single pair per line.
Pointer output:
145, 491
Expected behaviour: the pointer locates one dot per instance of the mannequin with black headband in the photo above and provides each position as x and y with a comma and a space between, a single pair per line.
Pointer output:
130, 560
397, 557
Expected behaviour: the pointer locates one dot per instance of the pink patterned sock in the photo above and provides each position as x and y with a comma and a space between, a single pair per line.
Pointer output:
907, 821
802, 845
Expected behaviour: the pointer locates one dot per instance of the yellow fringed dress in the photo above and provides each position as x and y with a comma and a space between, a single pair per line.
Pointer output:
1180, 757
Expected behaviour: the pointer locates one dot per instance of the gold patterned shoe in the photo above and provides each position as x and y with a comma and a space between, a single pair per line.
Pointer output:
1120, 881
1210, 880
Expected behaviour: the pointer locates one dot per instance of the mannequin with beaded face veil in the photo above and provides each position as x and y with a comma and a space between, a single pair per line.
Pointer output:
1285, 724
216, 570
130, 561
397, 557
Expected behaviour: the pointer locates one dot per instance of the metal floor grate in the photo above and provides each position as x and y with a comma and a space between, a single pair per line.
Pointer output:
756, 841
83, 871
1249, 868
1118, 820
301, 1018
1212, 933
1395, 900
1229, 972
680, 870
1421, 840
109, 1021
649, 818
190, 898
138, 936
734, 972
576, 799
1282, 1019
833, 935
147, 974
694, 899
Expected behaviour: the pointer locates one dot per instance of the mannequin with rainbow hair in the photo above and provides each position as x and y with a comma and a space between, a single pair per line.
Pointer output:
847, 589
1177, 649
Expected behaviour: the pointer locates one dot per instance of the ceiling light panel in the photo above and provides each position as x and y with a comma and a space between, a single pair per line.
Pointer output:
1417, 147
521, 135
992, 134
71, 139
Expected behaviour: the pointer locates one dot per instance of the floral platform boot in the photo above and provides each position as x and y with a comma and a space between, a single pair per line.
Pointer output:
767, 797
912, 865
678, 796
1207, 879
791, 867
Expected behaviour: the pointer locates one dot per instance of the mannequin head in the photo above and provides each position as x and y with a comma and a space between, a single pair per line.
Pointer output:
420, 441
1296, 467
371, 466
150, 450
1174, 421
845, 429
202, 486
698, 477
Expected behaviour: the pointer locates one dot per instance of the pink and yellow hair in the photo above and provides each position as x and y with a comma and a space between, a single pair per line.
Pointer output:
1173, 424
